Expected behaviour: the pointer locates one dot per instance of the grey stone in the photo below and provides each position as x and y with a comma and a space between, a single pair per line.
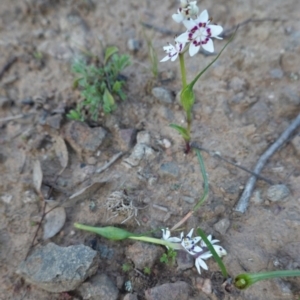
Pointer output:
175, 291
222, 226
188, 199
59, 269
276, 73
133, 45
277, 192
82, 138
54, 121
127, 137
169, 169
184, 260
163, 95
99, 287
143, 137
139, 152
143, 255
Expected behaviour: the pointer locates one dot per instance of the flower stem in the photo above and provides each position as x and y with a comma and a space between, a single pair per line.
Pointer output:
182, 69
243, 281
175, 246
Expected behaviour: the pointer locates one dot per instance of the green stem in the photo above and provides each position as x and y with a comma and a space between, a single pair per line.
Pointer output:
243, 281
213, 252
175, 246
117, 234
182, 69
204, 176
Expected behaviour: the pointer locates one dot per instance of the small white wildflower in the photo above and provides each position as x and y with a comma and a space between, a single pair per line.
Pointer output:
199, 33
188, 242
201, 253
172, 52
185, 11
166, 236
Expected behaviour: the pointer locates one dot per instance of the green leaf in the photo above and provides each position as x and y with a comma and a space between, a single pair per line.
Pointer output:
109, 232
108, 101
213, 252
109, 52
187, 100
183, 131
74, 115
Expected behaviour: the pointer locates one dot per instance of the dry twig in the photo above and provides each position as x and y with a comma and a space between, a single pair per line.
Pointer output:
244, 200
110, 162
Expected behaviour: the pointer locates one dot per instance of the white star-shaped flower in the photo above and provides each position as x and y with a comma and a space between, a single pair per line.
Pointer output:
200, 33
172, 52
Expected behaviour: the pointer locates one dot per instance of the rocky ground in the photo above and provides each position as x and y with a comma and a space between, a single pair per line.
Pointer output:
243, 104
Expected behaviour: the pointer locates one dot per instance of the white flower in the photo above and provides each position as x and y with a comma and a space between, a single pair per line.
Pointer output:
185, 11
201, 253
199, 34
166, 236
173, 51
189, 243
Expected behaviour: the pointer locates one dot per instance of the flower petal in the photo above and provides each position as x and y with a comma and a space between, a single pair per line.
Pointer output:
165, 59
215, 30
189, 23
203, 18
183, 38
208, 46
178, 18
220, 250
193, 49
200, 263
174, 239
206, 255
189, 235
174, 56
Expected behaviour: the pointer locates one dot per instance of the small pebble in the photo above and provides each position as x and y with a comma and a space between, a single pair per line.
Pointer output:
278, 192
133, 45
166, 143
163, 95
222, 226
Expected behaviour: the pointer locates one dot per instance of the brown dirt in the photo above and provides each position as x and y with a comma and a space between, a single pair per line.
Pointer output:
241, 108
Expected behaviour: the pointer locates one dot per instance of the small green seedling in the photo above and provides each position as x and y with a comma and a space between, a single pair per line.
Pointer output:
99, 85
147, 271
127, 267
169, 257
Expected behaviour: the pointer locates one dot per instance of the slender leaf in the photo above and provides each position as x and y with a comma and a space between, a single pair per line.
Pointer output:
213, 252
205, 179
183, 131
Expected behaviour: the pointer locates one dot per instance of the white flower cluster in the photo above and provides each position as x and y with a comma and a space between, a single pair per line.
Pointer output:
200, 253
199, 31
